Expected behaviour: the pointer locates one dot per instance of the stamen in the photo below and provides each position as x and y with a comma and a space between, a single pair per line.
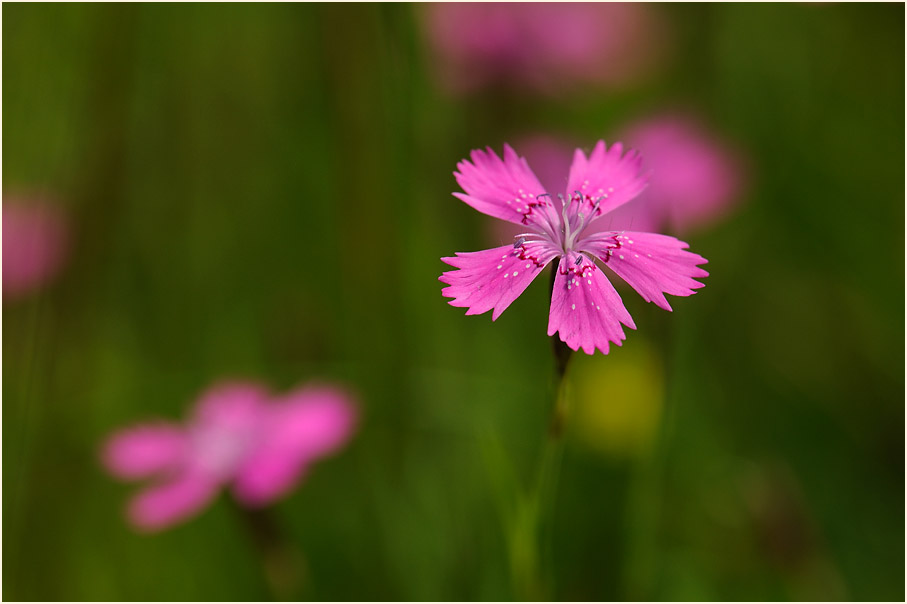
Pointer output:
596, 204
579, 260
566, 222
582, 221
520, 241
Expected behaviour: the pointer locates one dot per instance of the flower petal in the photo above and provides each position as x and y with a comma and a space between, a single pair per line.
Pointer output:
606, 175
268, 476
585, 309
315, 421
231, 404
311, 422
652, 264
643, 213
505, 189
144, 450
174, 501
493, 279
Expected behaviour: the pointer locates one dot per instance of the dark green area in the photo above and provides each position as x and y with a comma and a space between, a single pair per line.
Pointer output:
264, 191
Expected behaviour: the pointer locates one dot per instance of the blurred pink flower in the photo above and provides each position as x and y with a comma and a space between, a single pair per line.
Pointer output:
586, 311
236, 436
543, 46
696, 178
35, 238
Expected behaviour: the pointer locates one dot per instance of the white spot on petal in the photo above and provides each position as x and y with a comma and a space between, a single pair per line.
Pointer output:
573, 306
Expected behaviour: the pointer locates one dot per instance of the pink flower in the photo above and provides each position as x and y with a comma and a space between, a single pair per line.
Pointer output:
237, 436
543, 46
34, 246
586, 311
696, 178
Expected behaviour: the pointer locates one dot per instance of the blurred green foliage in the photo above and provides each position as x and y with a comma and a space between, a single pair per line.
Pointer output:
263, 191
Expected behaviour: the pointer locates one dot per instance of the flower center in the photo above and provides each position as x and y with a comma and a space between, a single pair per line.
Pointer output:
220, 448
561, 228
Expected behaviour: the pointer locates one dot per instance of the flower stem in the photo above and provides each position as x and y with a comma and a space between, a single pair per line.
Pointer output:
534, 516
283, 563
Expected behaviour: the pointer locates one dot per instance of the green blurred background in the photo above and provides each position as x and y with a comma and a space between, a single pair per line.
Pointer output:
264, 191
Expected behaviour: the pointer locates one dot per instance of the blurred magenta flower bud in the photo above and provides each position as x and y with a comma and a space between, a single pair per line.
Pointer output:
238, 435
35, 243
540, 46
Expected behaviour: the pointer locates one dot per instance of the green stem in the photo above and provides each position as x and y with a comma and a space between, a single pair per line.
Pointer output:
283, 564
535, 512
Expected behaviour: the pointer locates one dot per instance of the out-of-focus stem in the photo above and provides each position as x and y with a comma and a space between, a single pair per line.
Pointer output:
283, 563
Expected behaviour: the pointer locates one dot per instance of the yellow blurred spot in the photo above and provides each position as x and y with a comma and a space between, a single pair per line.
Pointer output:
617, 399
